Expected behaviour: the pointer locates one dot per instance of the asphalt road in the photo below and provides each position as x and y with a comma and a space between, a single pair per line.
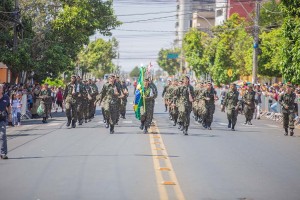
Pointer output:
55, 162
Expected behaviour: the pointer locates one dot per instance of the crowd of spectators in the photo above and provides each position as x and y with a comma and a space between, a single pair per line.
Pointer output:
25, 100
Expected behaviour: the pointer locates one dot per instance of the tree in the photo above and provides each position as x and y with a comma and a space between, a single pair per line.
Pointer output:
135, 72
233, 50
193, 45
55, 31
270, 59
169, 65
97, 57
291, 46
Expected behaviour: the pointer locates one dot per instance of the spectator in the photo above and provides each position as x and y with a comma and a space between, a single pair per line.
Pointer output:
16, 109
59, 99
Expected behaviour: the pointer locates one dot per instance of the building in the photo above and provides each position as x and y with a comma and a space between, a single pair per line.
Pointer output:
5, 75
226, 8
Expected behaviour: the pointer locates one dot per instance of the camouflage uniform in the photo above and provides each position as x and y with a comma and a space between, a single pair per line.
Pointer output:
147, 114
155, 93
173, 101
249, 105
70, 97
124, 90
93, 92
80, 89
197, 92
209, 106
288, 111
85, 103
231, 103
46, 102
166, 95
119, 88
184, 105
110, 105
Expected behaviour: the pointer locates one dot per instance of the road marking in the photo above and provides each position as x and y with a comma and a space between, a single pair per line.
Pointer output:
159, 149
127, 122
53, 124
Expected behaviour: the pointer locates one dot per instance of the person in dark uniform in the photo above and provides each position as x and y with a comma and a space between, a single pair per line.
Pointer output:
288, 109
5, 111
70, 96
231, 103
249, 104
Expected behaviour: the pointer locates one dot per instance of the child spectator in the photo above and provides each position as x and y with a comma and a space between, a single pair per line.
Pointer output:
16, 109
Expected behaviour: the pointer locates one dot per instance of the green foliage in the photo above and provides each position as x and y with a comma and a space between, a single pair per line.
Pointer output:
291, 7
193, 45
54, 33
233, 45
271, 15
291, 44
97, 57
135, 72
169, 65
54, 82
270, 59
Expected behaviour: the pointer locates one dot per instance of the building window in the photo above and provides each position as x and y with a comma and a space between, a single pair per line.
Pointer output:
219, 13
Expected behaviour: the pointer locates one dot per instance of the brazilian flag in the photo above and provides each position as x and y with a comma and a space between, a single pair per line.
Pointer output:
139, 100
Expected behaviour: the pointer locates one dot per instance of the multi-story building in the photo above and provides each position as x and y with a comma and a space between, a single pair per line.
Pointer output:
226, 8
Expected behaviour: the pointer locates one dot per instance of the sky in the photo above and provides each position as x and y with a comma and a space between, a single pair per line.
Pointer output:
140, 36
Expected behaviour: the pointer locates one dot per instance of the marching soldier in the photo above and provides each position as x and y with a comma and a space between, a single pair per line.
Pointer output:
123, 98
197, 92
155, 93
70, 97
231, 103
80, 89
93, 93
46, 101
185, 95
249, 104
110, 96
210, 96
118, 85
173, 98
146, 117
85, 102
288, 109
166, 94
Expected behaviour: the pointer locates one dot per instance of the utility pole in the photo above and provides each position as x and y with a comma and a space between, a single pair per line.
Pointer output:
255, 42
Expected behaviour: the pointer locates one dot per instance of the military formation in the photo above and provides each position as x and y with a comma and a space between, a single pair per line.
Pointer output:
80, 97
180, 100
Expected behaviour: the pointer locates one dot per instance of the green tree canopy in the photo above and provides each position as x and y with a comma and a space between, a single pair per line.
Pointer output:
135, 72
169, 65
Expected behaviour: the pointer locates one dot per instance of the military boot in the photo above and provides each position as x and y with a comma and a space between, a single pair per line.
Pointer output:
286, 131
142, 126
185, 130
229, 123
249, 123
73, 124
291, 132
145, 130
179, 127
107, 125
232, 128
175, 122
112, 129
69, 121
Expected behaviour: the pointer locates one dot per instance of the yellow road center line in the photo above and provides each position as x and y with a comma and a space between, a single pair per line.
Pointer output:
159, 178
173, 182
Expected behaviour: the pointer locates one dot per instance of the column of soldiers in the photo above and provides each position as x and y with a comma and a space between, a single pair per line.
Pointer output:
182, 99
113, 100
80, 100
